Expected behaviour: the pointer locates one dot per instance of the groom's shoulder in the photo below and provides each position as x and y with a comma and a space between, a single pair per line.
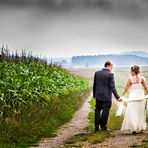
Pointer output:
108, 73
102, 72
98, 71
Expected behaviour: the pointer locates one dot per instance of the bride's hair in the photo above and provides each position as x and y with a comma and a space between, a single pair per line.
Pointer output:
135, 69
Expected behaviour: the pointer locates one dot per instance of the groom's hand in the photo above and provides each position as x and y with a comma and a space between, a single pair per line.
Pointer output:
120, 100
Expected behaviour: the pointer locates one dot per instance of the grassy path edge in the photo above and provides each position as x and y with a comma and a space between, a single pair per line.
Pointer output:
76, 125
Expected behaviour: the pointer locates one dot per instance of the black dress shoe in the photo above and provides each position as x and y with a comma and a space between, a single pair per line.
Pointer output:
134, 132
105, 129
96, 128
141, 131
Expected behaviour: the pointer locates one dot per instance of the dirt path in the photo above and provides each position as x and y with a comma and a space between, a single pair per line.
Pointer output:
75, 126
118, 140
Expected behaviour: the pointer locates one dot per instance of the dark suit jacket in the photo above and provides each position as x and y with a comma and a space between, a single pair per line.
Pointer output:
104, 85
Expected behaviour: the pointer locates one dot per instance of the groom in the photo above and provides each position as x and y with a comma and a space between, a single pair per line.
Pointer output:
103, 87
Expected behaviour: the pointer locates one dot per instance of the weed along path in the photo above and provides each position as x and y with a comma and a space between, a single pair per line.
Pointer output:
75, 126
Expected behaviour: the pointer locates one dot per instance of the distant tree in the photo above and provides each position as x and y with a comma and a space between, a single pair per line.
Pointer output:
64, 62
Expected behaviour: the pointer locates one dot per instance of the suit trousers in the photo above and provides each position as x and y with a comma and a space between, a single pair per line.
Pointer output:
102, 109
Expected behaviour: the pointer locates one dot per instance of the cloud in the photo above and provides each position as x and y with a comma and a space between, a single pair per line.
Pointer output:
74, 27
127, 8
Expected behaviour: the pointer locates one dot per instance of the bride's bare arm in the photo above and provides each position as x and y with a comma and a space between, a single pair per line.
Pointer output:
144, 83
127, 87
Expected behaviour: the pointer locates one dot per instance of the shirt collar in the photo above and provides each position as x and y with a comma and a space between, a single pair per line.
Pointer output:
105, 69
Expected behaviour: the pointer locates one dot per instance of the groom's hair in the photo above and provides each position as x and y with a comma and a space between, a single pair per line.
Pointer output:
108, 63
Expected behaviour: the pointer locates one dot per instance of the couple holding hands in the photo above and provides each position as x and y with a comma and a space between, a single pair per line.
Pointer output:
103, 87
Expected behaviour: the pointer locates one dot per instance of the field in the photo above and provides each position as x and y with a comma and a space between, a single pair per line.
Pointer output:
32, 95
121, 75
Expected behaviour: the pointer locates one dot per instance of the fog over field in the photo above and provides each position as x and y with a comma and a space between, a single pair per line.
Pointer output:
61, 28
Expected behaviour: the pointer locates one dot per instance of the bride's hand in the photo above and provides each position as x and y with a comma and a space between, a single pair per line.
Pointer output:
120, 100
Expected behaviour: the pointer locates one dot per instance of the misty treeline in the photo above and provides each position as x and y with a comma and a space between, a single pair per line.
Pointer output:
119, 60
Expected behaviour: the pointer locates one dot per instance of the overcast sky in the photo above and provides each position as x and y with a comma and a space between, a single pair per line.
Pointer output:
62, 29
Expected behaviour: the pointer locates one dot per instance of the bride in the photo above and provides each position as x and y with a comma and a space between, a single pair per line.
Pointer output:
135, 115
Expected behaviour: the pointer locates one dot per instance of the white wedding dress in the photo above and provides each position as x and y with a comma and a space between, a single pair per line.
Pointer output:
135, 114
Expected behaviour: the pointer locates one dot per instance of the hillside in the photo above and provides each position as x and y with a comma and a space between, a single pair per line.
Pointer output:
137, 53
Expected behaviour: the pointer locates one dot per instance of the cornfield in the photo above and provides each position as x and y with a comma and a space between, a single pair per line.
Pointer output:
27, 81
